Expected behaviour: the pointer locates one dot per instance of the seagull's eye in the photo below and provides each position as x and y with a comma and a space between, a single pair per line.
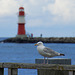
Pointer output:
39, 43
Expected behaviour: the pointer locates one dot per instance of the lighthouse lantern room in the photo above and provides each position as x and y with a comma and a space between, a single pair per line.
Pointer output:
21, 24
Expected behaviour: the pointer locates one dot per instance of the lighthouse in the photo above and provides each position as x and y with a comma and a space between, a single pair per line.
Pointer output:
21, 24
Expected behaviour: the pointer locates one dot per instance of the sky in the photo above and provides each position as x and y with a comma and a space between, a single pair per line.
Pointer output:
51, 18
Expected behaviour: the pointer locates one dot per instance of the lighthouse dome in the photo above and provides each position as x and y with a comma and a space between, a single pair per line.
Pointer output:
21, 8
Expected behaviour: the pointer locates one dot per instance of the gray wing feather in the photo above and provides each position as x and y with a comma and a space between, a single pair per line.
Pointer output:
52, 52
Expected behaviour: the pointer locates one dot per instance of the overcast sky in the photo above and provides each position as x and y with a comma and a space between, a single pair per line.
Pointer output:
52, 18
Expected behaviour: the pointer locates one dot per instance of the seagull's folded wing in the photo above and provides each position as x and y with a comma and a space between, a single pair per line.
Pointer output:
52, 52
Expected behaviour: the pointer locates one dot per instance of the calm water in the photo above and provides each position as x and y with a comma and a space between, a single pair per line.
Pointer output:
27, 53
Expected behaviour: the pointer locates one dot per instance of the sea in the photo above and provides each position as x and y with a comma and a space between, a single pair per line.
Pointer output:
27, 53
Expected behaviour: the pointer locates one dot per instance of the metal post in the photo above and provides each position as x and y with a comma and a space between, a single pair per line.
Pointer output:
13, 71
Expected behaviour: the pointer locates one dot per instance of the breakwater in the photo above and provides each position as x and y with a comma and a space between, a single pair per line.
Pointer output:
36, 39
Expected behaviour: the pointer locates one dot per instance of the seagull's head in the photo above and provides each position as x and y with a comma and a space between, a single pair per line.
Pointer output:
39, 44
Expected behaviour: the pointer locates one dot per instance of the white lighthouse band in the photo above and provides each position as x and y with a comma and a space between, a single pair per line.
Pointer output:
21, 19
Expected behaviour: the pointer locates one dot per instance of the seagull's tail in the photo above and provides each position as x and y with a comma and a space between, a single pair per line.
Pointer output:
62, 54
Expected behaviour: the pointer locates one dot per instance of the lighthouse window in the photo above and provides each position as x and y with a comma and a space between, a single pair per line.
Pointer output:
21, 10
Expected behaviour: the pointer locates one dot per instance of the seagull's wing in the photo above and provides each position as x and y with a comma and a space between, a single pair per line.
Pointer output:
50, 51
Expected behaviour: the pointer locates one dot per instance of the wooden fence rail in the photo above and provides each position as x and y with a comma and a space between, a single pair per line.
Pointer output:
42, 69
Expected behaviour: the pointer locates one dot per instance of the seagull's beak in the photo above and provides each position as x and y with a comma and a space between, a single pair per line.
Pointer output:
35, 44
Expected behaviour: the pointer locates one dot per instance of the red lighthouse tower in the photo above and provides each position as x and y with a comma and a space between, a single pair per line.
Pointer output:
21, 23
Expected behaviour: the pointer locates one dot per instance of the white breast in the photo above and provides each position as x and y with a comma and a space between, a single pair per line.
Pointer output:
40, 50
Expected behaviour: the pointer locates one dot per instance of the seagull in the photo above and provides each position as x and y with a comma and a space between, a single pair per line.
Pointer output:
46, 52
